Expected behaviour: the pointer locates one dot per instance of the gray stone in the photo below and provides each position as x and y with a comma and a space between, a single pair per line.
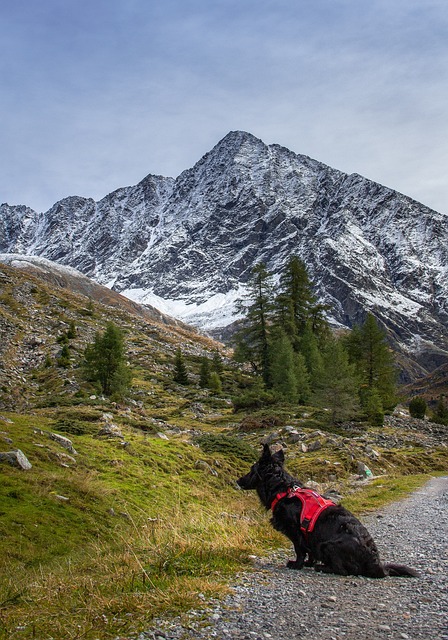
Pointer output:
204, 466
63, 441
315, 446
110, 430
17, 459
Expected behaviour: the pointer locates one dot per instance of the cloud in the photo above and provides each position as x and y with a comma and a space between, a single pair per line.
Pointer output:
97, 95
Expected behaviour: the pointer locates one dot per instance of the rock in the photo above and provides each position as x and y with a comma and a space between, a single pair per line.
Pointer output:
315, 446
110, 431
364, 470
63, 441
204, 466
161, 435
372, 453
333, 494
17, 459
270, 438
64, 459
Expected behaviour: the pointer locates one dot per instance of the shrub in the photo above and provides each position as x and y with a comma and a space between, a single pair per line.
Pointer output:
253, 399
227, 445
417, 407
256, 423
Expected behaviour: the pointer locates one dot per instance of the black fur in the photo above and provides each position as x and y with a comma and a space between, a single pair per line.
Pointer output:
339, 543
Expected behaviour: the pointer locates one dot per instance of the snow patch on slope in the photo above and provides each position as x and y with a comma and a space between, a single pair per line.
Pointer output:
217, 311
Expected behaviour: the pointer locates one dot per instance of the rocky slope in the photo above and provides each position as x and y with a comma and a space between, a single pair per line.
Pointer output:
35, 313
187, 246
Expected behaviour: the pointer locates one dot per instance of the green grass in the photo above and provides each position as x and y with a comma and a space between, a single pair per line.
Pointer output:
382, 491
144, 530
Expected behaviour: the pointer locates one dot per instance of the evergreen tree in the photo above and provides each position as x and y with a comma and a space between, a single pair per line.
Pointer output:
71, 332
283, 368
373, 406
374, 361
296, 305
309, 348
337, 387
417, 407
215, 383
64, 357
302, 379
104, 361
180, 370
252, 340
217, 364
441, 412
204, 374
296, 285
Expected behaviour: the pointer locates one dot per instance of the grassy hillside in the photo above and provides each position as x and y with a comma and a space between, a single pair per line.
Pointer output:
134, 511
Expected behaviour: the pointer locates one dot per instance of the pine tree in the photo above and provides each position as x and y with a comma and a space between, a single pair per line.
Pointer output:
417, 407
180, 370
215, 383
104, 361
71, 332
309, 348
64, 357
204, 374
337, 387
283, 368
374, 361
373, 406
252, 340
302, 379
441, 413
217, 364
296, 285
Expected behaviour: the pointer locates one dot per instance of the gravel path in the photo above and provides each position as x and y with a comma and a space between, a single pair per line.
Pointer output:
274, 602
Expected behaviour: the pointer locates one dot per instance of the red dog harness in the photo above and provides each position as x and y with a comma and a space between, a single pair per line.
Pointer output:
312, 506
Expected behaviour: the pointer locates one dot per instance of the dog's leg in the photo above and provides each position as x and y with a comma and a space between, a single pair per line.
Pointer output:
300, 550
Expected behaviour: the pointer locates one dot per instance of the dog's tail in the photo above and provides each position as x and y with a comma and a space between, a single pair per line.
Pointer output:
393, 569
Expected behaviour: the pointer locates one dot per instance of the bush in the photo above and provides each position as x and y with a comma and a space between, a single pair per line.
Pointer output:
227, 445
417, 407
75, 427
253, 399
259, 422
441, 413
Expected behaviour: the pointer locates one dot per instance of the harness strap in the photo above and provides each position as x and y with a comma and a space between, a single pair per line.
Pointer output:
312, 505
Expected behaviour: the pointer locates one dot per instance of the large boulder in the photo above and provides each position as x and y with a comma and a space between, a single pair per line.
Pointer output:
16, 458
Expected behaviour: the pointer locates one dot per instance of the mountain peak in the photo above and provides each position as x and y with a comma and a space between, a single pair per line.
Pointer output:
188, 245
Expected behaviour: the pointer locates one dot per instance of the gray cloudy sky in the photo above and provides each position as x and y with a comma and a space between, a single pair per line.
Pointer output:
96, 94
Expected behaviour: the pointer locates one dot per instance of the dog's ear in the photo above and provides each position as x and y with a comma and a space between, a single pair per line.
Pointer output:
279, 455
266, 452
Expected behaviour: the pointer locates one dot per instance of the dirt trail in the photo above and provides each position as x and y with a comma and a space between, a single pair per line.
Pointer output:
274, 602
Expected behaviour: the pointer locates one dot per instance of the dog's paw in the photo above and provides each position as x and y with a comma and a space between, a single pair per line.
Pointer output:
309, 562
294, 564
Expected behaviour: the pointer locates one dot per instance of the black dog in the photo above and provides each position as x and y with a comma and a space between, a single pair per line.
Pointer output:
331, 538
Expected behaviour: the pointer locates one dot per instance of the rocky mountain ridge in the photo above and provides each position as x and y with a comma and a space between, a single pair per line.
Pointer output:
187, 246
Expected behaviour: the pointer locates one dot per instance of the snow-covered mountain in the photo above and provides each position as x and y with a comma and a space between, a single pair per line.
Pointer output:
187, 246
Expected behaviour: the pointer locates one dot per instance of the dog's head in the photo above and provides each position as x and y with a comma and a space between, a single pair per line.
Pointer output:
265, 465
